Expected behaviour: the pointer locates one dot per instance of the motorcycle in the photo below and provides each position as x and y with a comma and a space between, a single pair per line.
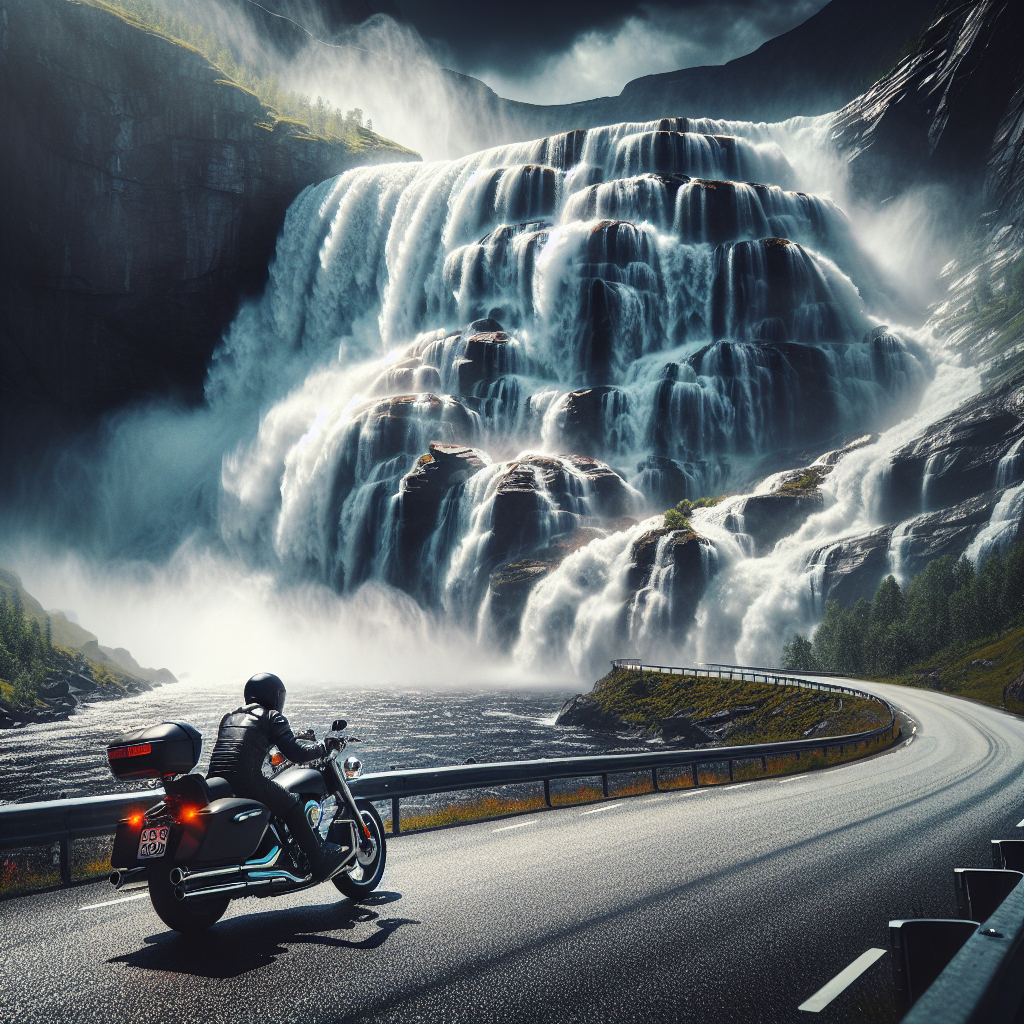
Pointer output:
201, 846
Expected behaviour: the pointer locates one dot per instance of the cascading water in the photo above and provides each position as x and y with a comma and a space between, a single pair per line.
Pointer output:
479, 378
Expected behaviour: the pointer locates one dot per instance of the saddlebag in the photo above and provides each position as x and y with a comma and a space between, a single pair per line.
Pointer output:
225, 831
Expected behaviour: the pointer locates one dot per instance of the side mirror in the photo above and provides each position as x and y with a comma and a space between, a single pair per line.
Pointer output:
338, 725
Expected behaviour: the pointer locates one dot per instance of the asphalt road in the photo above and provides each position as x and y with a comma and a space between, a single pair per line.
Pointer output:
727, 904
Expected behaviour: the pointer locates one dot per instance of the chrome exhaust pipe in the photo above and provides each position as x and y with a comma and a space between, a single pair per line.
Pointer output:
128, 878
267, 880
180, 875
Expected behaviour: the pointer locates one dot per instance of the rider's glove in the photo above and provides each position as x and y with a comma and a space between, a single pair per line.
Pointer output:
333, 743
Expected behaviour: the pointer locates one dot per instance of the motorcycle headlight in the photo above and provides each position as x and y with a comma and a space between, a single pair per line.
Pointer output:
353, 766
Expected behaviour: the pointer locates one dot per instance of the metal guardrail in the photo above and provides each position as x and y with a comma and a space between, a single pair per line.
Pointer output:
971, 970
61, 821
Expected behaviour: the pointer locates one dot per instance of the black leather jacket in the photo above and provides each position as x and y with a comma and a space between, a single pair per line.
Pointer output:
247, 734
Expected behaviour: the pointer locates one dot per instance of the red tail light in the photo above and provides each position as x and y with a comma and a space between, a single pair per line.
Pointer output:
134, 751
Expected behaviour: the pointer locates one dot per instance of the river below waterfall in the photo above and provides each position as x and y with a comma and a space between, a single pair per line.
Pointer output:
408, 728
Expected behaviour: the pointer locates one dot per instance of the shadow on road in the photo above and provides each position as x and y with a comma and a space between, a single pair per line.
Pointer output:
244, 943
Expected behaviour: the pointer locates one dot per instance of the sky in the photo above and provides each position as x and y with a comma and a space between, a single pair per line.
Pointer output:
544, 52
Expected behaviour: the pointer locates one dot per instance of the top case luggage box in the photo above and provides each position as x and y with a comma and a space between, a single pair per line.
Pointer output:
171, 748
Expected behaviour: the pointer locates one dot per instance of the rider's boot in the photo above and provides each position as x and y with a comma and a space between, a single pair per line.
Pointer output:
325, 859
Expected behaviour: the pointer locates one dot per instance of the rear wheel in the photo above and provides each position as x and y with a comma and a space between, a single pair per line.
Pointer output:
179, 915
364, 876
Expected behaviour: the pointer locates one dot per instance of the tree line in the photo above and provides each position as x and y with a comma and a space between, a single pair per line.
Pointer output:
25, 650
949, 604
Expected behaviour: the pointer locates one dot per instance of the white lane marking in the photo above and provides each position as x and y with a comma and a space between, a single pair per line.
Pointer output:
1020, 824
522, 824
652, 799
110, 903
840, 982
739, 785
598, 810
792, 778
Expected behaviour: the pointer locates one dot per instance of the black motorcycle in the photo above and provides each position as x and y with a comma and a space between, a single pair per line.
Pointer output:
201, 846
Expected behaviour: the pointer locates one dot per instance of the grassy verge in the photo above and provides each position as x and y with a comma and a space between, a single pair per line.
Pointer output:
778, 713
34, 868
981, 671
710, 773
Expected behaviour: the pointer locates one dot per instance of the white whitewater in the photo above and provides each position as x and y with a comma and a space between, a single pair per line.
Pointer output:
611, 320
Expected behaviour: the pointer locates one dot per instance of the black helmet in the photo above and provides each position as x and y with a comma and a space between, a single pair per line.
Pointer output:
267, 689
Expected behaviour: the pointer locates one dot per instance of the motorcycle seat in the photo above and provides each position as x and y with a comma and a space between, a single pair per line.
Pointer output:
218, 788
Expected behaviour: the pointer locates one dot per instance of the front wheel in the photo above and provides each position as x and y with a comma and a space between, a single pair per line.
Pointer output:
187, 918
364, 876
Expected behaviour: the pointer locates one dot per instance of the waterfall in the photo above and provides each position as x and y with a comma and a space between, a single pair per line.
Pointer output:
477, 379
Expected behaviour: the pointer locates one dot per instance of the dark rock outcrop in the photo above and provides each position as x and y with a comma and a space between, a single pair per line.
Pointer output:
958, 457
425, 488
851, 569
767, 518
510, 587
487, 357
691, 559
143, 196
681, 728
583, 711
539, 501
934, 117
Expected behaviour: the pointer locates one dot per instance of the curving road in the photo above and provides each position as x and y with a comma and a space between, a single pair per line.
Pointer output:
728, 904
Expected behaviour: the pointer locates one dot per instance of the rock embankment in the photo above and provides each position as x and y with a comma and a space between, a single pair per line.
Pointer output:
75, 667
694, 712
143, 194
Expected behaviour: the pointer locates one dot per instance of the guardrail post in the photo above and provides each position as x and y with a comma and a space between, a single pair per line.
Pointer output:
764, 763
696, 776
731, 763
396, 820
604, 786
654, 779
547, 792
65, 861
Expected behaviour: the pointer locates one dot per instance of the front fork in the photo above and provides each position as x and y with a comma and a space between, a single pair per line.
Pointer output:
344, 795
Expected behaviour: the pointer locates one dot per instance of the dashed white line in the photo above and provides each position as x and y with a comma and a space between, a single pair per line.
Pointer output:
651, 799
840, 982
738, 785
110, 903
1020, 824
521, 824
792, 778
598, 810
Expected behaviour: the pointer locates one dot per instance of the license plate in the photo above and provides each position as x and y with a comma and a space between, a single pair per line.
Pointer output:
153, 842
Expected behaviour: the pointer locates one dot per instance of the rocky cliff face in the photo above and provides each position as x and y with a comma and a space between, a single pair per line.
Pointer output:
143, 195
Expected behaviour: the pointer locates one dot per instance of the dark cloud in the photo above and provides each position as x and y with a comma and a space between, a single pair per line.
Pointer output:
515, 40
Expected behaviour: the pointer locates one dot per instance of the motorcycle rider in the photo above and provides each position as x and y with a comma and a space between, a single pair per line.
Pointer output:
243, 740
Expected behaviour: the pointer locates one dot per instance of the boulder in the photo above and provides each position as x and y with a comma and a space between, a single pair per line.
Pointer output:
680, 727
611, 496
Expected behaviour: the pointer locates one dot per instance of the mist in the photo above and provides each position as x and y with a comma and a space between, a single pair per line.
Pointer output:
213, 620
